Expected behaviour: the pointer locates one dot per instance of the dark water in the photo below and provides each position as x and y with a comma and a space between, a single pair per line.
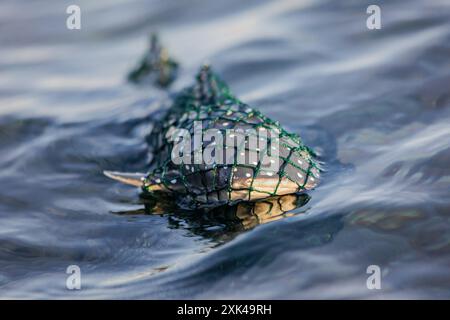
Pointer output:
375, 103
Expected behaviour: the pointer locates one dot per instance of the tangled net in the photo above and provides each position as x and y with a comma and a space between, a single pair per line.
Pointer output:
283, 164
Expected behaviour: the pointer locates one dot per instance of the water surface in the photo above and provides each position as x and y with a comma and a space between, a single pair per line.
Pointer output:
374, 103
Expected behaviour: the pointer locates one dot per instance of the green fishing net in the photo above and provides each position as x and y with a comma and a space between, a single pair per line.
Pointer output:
258, 158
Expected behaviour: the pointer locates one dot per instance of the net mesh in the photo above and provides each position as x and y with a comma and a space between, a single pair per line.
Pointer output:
247, 172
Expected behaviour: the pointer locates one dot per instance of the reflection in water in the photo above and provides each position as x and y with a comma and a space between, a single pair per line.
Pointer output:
223, 223
257, 260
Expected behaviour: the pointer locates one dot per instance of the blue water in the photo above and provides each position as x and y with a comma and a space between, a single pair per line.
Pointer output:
374, 103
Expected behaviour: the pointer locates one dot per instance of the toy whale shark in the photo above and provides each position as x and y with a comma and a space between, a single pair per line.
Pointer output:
280, 165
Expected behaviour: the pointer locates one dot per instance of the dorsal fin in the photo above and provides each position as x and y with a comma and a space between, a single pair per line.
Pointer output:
208, 87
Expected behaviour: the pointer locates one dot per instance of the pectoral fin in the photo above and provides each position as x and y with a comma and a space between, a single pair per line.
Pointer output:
134, 179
